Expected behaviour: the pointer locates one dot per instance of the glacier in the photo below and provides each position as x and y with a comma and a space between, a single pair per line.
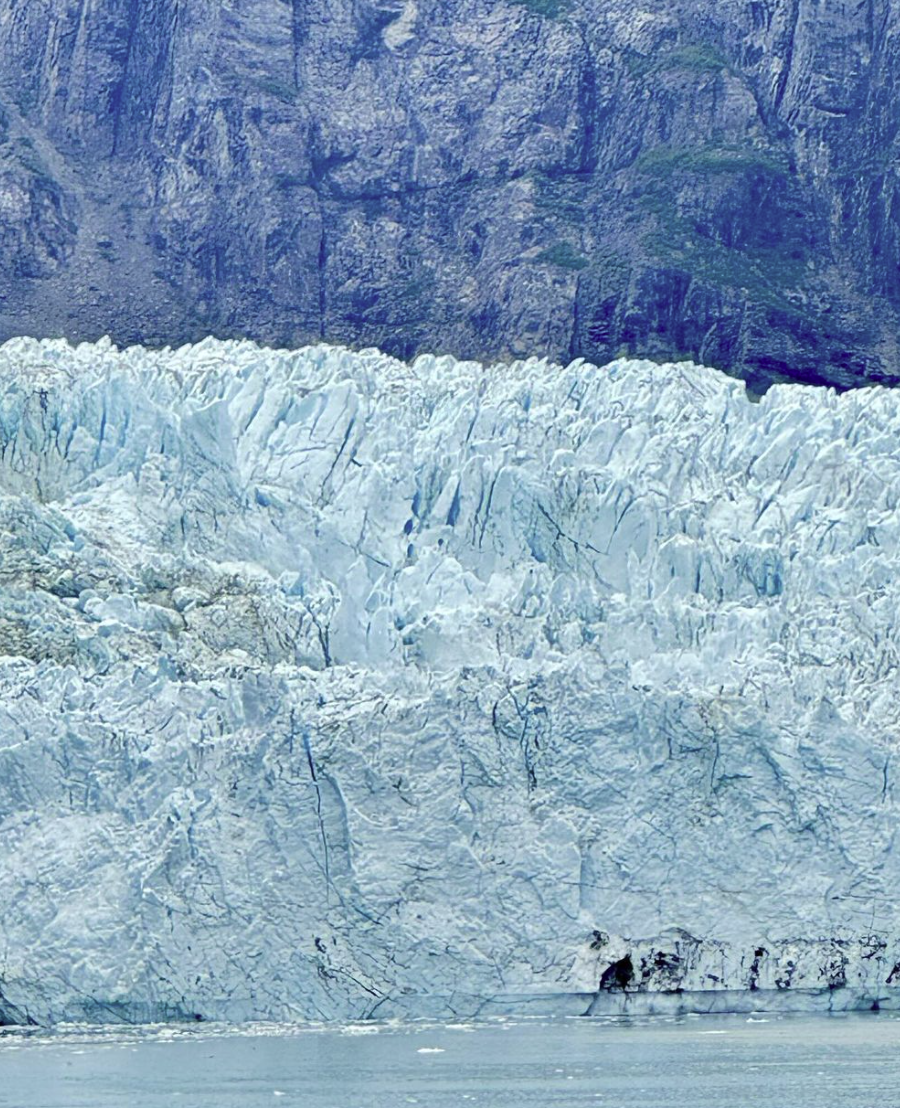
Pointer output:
335, 687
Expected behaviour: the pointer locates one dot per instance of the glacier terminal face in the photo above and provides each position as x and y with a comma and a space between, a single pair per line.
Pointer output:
333, 686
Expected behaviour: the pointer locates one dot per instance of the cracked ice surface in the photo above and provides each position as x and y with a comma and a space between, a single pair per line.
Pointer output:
333, 686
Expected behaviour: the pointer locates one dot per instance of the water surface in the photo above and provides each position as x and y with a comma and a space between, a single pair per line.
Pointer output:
706, 1062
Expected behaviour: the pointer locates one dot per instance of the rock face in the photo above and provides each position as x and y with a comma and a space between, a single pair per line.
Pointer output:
333, 686
697, 178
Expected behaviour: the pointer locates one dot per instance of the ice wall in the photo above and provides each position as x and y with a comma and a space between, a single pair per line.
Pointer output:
332, 686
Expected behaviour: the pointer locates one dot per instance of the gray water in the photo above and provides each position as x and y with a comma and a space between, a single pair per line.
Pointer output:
708, 1062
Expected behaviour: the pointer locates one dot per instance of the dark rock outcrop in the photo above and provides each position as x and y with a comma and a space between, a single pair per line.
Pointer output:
710, 179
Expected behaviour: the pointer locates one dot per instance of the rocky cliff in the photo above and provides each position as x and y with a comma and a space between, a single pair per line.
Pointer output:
333, 686
705, 178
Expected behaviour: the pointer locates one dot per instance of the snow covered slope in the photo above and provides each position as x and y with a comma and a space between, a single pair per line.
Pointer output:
332, 686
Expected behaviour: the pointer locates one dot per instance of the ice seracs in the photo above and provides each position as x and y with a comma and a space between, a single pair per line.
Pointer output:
333, 686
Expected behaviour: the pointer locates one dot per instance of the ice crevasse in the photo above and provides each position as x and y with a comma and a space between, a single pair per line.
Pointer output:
335, 687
